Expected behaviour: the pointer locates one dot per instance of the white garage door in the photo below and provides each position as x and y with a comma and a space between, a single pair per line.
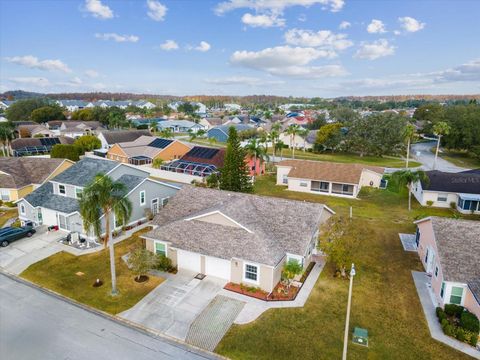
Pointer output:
217, 267
188, 260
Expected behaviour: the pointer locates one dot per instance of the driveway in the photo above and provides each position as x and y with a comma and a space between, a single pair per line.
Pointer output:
22, 253
421, 152
173, 306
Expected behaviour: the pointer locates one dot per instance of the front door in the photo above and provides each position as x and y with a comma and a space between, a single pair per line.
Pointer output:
155, 207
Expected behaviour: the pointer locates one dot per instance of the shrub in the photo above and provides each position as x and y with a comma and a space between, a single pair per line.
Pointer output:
444, 322
64, 151
469, 322
453, 205
460, 334
157, 163
163, 263
438, 310
473, 339
9, 204
453, 310
449, 329
141, 261
429, 202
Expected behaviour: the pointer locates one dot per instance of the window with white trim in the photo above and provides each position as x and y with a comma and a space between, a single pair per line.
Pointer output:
442, 290
441, 198
142, 197
285, 179
22, 209
5, 195
160, 248
165, 201
78, 192
456, 295
251, 272
61, 189
436, 271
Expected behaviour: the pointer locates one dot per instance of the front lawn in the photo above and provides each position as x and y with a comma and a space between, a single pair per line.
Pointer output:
5, 215
385, 161
460, 158
385, 300
59, 273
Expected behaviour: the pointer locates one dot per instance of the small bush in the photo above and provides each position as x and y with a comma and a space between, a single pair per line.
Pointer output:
449, 329
453, 205
469, 322
444, 322
460, 334
164, 263
429, 202
9, 204
453, 310
473, 339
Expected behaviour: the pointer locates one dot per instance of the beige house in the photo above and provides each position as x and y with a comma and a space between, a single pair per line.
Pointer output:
327, 178
450, 253
237, 237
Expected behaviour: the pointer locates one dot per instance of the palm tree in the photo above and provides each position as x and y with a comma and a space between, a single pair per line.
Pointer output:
264, 138
441, 128
279, 146
274, 136
409, 134
257, 151
154, 127
166, 133
105, 196
408, 178
303, 133
293, 130
6, 135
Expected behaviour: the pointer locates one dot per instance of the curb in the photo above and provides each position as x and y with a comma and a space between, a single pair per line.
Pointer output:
121, 321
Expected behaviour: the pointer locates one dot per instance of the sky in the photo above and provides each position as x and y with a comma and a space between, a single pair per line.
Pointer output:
324, 48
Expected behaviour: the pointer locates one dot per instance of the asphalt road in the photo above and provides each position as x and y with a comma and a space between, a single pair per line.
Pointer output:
421, 152
36, 325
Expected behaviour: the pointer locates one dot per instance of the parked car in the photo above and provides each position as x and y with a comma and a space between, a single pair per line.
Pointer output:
10, 234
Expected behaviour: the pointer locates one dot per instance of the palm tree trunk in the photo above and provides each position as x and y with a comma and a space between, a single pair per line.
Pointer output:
436, 153
112, 253
409, 197
255, 167
408, 152
292, 143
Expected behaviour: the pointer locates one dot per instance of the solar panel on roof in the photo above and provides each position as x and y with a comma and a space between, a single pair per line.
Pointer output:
160, 143
49, 141
202, 153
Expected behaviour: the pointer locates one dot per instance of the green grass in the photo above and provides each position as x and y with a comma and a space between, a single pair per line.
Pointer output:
5, 215
385, 300
385, 161
58, 273
205, 142
460, 158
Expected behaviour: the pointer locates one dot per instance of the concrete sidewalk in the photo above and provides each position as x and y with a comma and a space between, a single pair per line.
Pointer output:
421, 280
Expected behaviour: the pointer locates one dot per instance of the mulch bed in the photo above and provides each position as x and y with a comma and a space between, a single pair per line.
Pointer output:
141, 278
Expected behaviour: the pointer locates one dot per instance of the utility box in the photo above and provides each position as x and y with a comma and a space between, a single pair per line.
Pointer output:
360, 336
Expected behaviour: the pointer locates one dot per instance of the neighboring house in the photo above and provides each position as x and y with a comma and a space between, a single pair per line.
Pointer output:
146, 149
237, 237
72, 105
37, 146
232, 107
443, 189
112, 137
38, 130
199, 161
298, 141
20, 176
327, 178
143, 104
75, 129
220, 133
55, 203
5, 104
450, 253
180, 126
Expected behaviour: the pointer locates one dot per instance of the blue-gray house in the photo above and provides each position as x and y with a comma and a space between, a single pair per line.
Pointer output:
220, 133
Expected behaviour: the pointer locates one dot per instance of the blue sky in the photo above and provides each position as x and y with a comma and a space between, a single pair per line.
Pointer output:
321, 48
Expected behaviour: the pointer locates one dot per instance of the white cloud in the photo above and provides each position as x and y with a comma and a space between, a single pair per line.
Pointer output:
302, 18
410, 24
264, 20
203, 47
376, 27
91, 73
169, 45
469, 71
98, 10
322, 38
344, 25
288, 61
156, 10
275, 6
242, 80
34, 81
76, 80
374, 50
117, 37
34, 63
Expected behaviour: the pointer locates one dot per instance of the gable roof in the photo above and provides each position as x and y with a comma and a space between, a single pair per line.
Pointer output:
44, 197
148, 146
18, 144
464, 182
225, 128
121, 136
276, 226
328, 171
22, 171
458, 248
213, 156
84, 171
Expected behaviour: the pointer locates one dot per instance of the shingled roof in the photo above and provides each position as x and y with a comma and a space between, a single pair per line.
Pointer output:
328, 171
21, 171
84, 171
121, 136
464, 182
268, 227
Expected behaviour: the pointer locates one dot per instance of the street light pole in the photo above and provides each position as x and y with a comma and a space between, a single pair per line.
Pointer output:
347, 321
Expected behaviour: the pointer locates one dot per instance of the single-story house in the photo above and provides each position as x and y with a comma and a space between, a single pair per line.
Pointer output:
112, 137
327, 178
5, 104
55, 203
75, 129
199, 161
450, 253
146, 149
19, 176
460, 190
37, 130
299, 142
238, 237
180, 126
37, 146
72, 105
220, 133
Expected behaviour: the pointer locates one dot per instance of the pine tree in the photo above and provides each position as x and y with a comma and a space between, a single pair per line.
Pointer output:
234, 175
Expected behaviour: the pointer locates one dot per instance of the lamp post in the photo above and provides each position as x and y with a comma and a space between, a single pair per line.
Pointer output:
347, 321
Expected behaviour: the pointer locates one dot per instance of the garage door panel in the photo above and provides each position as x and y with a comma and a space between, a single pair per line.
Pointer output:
218, 267
188, 260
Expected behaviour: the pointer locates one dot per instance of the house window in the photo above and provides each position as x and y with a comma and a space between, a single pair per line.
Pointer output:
442, 290
165, 201
426, 257
160, 249
303, 184
78, 192
251, 272
142, 197
22, 209
436, 271
441, 198
321, 186
456, 295
5, 195
61, 189
285, 179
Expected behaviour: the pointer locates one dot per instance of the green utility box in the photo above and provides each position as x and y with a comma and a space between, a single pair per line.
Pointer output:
360, 336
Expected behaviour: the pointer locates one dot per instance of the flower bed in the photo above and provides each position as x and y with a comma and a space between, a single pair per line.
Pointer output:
251, 291
459, 323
